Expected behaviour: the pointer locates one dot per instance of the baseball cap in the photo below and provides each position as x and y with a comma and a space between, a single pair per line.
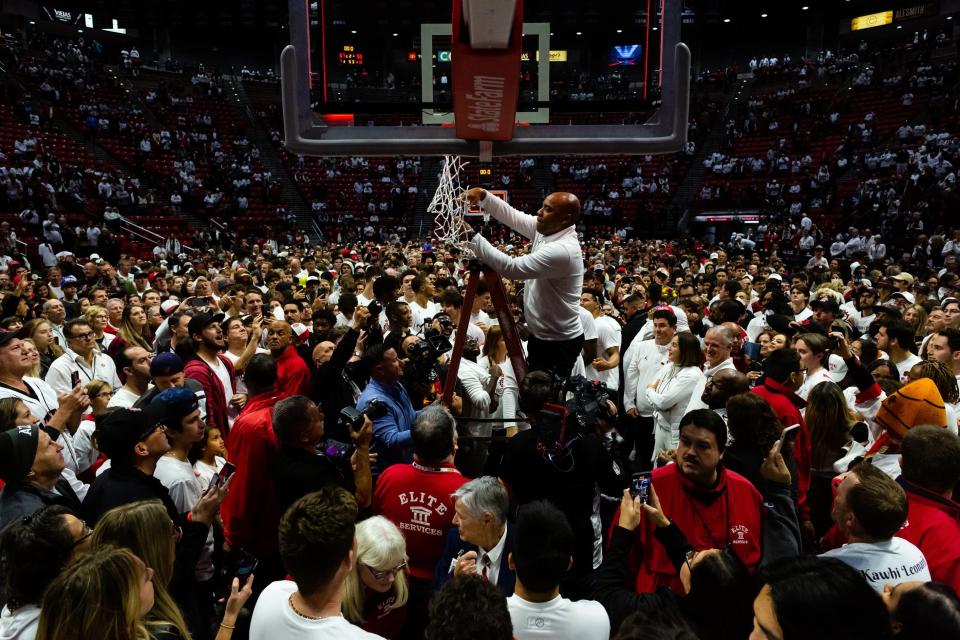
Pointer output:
118, 431
175, 403
827, 304
7, 336
200, 321
903, 277
906, 295
66, 281
949, 300
18, 448
168, 306
166, 364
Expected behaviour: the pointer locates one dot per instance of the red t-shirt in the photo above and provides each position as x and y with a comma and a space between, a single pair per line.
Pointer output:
249, 511
293, 376
418, 500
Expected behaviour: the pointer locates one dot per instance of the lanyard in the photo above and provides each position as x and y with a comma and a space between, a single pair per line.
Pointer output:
421, 467
706, 527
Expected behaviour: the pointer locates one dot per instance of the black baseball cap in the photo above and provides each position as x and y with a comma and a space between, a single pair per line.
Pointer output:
201, 321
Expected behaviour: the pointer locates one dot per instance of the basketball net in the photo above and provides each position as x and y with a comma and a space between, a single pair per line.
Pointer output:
448, 206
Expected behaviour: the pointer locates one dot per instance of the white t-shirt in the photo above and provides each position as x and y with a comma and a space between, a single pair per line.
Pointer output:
205, 472
124, 398
223, 375
608, 335
20, 624
273, 618
558, 619
881, 563
904, 366
185, 489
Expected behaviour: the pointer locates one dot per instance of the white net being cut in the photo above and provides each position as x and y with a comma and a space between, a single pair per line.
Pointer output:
448, 206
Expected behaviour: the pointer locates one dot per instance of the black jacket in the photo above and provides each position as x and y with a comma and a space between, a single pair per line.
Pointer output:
331, 390
455, 546
20, 500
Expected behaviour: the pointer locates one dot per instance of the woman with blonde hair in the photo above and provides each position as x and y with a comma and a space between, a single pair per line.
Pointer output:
97, 317
30, 348
375, 590
916, 315
145, 528
133, 330
40, 331
104, 595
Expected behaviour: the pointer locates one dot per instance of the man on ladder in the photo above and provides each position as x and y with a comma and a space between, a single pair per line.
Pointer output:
553, 267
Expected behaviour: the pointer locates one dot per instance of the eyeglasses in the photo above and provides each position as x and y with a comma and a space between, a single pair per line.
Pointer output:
149, 432
87, 532
380, 575
90, 335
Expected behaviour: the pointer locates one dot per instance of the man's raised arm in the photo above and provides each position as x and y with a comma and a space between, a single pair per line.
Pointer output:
522, 223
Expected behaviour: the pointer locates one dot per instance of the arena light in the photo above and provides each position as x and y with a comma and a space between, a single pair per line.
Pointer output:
726, 20
763, 15
804, 8
619, 30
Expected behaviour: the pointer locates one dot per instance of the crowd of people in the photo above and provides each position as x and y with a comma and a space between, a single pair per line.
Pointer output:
678, 438
256, 443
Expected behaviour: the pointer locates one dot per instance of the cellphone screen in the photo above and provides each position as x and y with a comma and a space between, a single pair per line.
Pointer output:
223, 475
74, 379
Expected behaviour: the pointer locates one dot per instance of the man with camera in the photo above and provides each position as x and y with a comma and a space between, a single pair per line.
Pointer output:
562, 459
392, 440
305, 463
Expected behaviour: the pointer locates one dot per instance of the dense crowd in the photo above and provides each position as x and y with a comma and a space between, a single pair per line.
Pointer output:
171, 422
686, 438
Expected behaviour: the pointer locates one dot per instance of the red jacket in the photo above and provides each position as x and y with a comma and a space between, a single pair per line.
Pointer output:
729, 513
250, 512
417, 499
786, 405
217, 396
933, 525
293, 376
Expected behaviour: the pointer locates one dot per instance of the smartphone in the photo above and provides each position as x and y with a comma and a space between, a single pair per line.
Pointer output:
335, 449
752, 349
199, 302
640, 486
74, 379
246, 565
223, 475
789, 434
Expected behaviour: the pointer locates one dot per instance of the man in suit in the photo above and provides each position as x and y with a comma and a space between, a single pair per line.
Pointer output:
482, 539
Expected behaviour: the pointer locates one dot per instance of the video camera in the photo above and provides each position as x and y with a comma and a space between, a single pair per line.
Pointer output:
562, 422
425, 354
352, 418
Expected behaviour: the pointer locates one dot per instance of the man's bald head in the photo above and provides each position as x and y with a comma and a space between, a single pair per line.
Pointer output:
724, 384
279, 336
559, 211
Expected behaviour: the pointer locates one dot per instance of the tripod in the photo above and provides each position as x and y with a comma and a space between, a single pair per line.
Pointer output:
498, 295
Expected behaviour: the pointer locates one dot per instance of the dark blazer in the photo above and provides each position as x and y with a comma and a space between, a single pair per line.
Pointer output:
506, 578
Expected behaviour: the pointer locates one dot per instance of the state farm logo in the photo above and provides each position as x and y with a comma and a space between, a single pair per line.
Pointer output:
739, 534
485, 103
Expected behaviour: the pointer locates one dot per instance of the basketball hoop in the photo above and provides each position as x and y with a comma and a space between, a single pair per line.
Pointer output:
448, 206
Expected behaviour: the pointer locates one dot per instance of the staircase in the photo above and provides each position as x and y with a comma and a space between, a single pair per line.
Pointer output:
289, 193
422, 226
688, 189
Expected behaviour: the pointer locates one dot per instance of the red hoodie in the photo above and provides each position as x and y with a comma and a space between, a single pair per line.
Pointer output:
786, 405
250, 512
933, 525
729, 513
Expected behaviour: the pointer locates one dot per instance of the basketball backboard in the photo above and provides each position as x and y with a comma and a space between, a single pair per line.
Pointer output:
326, 62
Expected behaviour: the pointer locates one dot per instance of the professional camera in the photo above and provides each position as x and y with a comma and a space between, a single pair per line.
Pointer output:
352, 418
571, 417
425, 354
